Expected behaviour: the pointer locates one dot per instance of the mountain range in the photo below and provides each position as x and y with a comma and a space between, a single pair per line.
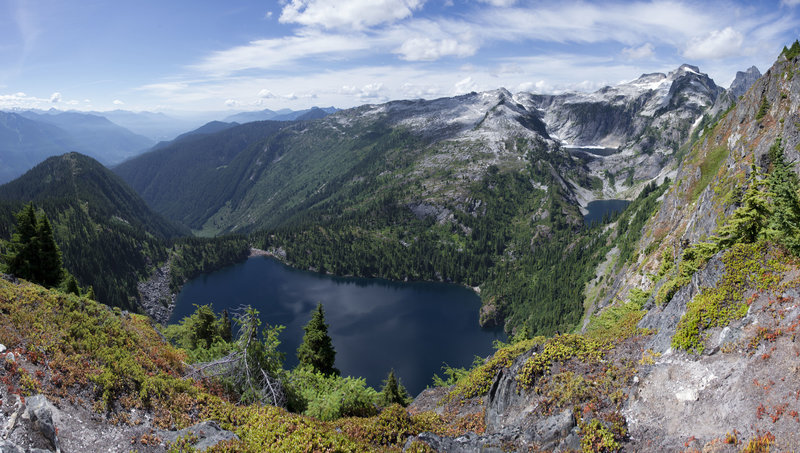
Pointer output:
668, 326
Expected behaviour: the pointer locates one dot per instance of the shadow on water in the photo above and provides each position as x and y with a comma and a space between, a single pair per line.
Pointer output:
375, 324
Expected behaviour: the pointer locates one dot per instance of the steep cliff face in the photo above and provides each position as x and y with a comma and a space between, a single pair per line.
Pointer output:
713, 175
738, 378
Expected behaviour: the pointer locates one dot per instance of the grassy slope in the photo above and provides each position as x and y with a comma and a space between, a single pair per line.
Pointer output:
67, 345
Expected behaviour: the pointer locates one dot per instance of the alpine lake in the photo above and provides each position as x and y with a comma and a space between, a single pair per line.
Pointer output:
598, 209
376, 325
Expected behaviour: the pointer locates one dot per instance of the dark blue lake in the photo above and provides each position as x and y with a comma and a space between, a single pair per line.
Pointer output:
599, 208
376, 325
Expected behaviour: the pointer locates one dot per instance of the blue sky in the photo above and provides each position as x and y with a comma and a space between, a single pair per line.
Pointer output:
209, 55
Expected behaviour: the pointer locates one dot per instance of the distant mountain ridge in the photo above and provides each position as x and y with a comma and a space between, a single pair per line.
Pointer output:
95, 135
28, 137
280, 115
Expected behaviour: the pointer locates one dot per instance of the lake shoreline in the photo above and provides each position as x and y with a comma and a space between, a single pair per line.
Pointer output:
280, 255
376, 324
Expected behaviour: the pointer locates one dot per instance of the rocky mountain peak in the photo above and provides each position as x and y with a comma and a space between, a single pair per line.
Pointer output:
743, 81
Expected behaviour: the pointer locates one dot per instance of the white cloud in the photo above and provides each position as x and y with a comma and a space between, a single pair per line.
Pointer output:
646, 50
368, 91
268, 15
281, 52
20, 100
118, 102
351, 14
536, 87
231, 103
465, 86
508, 68
426, 49
499, 3
265, 94
716, 45
790, 2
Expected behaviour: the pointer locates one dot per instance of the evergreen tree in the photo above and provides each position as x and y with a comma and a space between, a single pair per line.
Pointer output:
21, 258
749, 220
50, 272
393, 392
317, 350
203, 327
71, 286
784, 224
34, 254
225, 327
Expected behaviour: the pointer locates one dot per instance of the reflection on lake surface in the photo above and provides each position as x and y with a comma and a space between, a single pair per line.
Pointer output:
375, 324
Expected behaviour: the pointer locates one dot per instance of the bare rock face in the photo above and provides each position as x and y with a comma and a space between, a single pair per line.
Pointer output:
155, 295
40, 413
743, 81
664, 320
743, 386
505, 404
207, 433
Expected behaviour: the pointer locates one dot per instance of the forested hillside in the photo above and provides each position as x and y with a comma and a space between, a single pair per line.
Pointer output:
108, 237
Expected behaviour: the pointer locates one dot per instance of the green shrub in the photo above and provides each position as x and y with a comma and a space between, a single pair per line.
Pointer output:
747, 266
763, 109
479, 380
598, 438
558, 349
329, 397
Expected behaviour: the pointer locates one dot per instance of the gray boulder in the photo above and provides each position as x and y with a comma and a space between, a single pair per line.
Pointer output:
208, 434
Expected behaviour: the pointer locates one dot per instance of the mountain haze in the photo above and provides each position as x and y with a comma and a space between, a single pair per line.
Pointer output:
95, 135
27, 138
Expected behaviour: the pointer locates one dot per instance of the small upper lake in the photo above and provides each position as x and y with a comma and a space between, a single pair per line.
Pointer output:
593, 150
375, 324
599, 208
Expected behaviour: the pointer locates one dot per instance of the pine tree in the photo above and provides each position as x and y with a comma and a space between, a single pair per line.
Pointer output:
749, 220
50, 272
34, 254
393, 392
21, 258
225, 327
71, 286
317, 350
784, 224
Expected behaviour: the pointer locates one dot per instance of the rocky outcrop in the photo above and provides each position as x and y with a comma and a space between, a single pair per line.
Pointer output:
664, 319
743, 81
205, 435
155, 295
743, 386
513, 418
